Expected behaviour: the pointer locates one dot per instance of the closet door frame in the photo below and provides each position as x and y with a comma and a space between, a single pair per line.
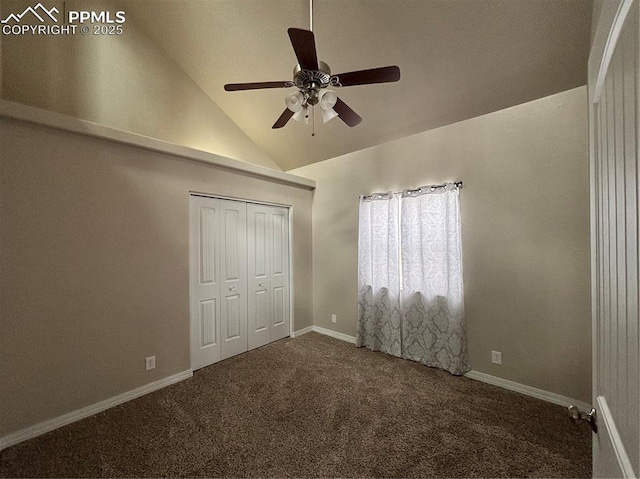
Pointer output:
289, 209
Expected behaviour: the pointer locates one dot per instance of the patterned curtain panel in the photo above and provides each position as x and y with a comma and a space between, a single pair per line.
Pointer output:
379, 274
432, 292
411, 300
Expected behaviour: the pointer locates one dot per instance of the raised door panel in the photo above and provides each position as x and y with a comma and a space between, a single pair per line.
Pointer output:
232, 317
233, 278
208, 323
280, 313
261, 302
204, 294
278, 222
259, 307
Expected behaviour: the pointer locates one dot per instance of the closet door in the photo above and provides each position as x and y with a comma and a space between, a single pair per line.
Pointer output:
233, 277
268, 253
239, 277
259, 306
279, 272
204, 216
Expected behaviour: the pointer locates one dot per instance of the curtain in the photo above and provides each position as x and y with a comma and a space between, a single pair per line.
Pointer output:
379, 274
410, 277
432, 294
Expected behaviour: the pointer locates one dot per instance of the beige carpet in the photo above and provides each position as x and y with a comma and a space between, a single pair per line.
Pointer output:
315, 407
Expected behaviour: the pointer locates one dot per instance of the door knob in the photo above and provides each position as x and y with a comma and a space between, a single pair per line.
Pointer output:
261, 285
232, 288
577, 416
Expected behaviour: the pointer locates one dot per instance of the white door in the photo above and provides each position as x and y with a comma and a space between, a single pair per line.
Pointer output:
613, 123
268, 240
258, 233
204, 281
279, 273
233, 277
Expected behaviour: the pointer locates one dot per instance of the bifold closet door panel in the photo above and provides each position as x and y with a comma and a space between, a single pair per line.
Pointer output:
268, 254
204, 281
233, 277
259, 305
279, 272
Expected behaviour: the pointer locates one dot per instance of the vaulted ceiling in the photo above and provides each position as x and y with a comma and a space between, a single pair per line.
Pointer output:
458, 59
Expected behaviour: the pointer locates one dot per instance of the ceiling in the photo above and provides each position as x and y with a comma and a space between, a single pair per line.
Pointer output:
458, 59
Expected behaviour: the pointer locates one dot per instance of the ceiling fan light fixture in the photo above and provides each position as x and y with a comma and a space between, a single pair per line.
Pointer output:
328, 115
328, 100
301, 115
294, 102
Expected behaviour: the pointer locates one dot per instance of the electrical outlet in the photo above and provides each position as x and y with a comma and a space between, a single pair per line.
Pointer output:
151, 363
496, 357
334, 319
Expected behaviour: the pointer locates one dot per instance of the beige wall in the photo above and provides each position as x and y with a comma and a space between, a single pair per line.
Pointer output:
525, 234
94, 266
122, 81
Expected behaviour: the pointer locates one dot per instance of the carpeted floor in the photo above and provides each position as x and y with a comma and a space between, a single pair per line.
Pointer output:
315, 407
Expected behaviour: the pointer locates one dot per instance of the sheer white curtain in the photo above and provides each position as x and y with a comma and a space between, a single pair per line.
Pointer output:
379, 274
433, 330
410, 277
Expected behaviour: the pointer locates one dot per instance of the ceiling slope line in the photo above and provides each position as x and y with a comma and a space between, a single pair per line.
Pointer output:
58, 121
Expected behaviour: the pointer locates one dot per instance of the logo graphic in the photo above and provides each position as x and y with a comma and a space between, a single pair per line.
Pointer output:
37, 20
34, 11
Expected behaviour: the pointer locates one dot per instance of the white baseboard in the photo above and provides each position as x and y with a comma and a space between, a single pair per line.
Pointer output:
50, 425
302, 331
326, 332
335, 334
55, 423
486, 378
528, 390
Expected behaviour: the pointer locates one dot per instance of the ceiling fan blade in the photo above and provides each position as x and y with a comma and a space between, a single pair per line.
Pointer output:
257, 86
284, 118
366, 77
304, 45
346, 114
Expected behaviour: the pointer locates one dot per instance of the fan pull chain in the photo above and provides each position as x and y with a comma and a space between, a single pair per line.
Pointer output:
313, 120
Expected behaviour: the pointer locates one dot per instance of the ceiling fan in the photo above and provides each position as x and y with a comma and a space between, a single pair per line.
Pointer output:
312, 78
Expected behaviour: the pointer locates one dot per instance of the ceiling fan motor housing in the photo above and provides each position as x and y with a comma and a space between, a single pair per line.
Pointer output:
311, 81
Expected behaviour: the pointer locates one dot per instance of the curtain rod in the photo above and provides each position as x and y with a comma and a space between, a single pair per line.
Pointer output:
457, 184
